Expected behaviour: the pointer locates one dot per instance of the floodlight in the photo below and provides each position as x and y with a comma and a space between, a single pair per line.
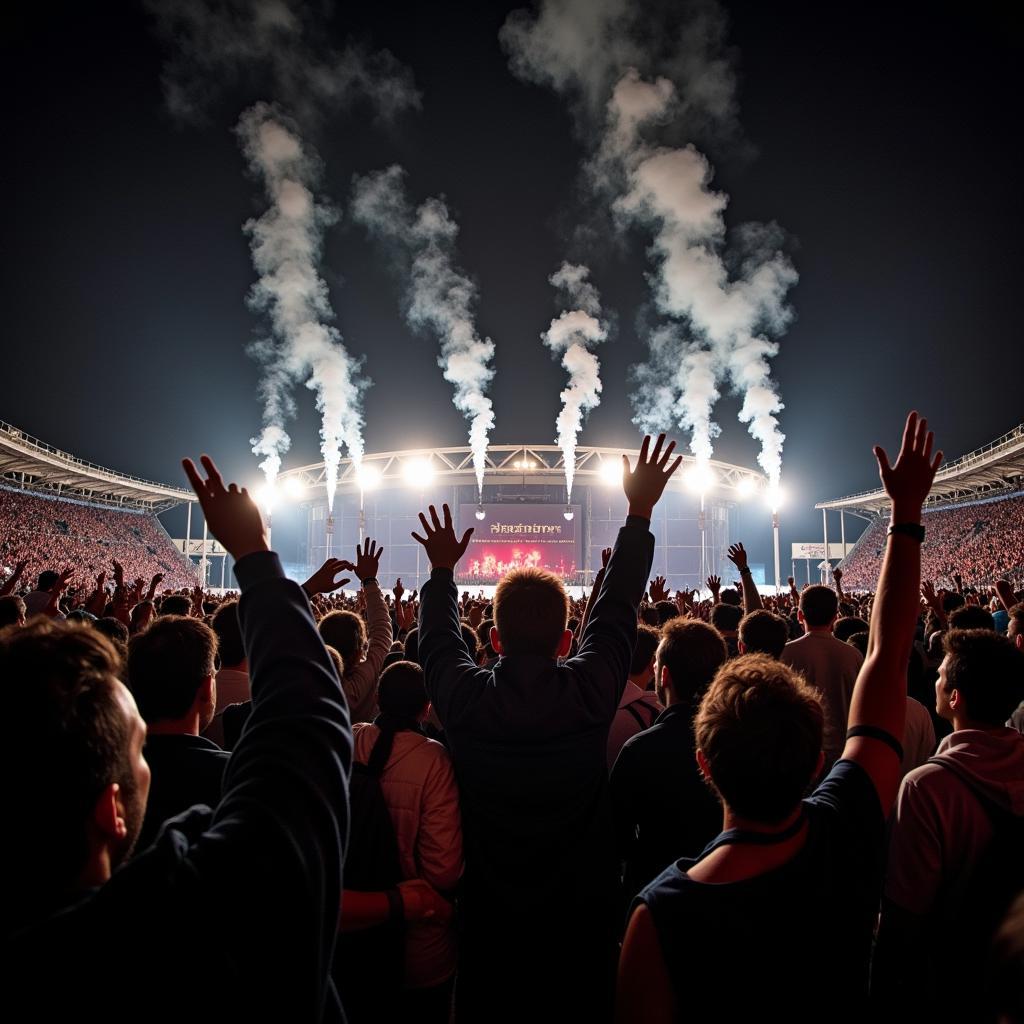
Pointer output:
700, 478
568, 514
265, 495
480, 513
293, 488
775, 496
418, 472
610, 472
746, 487
367, 477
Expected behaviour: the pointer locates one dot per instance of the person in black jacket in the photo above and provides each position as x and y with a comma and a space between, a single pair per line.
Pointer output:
87, 937
528, 738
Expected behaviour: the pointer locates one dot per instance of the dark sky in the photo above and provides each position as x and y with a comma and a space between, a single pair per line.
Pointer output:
886, 147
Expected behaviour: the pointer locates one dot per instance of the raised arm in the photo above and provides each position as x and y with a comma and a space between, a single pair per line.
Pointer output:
606, 553
284, 811
878, 704
12, 580
751, 597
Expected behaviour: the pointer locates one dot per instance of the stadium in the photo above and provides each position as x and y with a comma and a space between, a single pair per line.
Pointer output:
58, 507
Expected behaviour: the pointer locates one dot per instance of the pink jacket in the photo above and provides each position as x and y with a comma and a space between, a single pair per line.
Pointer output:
419, 788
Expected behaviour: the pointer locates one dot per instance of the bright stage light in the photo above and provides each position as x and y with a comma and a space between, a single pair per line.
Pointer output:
480, 513
746, 487
775, 496
610, 472
265, 495
568, 514
293, 488
700, 478
368, 477
418, 473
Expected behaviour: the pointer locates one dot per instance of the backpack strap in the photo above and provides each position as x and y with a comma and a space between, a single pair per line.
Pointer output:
378, 758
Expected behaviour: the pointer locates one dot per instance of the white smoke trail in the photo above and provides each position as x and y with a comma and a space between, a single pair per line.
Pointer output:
571, 335
440, 297
286, 245
280, 48
722, 323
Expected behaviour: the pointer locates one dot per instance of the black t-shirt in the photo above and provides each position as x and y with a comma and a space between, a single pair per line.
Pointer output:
792, 943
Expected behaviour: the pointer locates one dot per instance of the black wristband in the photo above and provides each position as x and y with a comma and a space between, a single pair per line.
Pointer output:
369, 579
915, 530
396, 908
745, 568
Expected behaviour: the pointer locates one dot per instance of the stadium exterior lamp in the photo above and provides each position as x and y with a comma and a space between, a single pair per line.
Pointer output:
265, 495
368, 478
700, 478
480, 513
610, 472
568, 514
418, 473
746, 487
293, 488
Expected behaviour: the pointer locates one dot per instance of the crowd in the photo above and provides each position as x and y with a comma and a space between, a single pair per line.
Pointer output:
980, 543
40, 533
292, 804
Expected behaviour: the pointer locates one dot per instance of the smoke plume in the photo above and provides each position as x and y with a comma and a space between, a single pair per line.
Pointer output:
571, 335
279, 48
286, 244
643, 81
440, 297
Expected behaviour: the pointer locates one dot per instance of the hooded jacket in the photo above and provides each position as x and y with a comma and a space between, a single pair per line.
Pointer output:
941, 829
419, 789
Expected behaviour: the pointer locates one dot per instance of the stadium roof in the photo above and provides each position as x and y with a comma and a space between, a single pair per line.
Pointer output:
29, 463
994, 469
540, 464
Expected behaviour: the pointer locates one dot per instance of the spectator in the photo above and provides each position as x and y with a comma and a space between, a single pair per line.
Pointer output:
345, 632
171, 670
528, 739
12, 611
796, 881
661, 807
233, 674
953, 816
762, 632
418, 784
638, 706
726, 619
828, 664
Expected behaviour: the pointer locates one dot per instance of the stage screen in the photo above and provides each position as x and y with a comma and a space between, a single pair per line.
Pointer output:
513, 536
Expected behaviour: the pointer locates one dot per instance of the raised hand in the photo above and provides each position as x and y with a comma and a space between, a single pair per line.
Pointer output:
658, 591
714, 584
118, 574
909, 480
367, 560
398, 590
645, 485
324, 580
443, 547
606, 554
791, 581
930, 597
837, 575
232, 515
738, 557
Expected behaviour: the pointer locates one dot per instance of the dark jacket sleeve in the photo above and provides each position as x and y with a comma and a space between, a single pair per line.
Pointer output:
272, 858
452, 676
606, 648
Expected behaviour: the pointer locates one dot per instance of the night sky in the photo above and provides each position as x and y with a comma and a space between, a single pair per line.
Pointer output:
881, 139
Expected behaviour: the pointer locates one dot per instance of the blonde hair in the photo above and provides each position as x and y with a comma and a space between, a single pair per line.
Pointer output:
531, 609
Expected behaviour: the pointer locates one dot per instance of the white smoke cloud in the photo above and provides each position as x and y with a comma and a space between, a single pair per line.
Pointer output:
570, 335
667, 79
286, 244
440, 297
272, 48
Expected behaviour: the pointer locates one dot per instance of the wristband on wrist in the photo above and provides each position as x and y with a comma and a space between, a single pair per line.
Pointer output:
369, 579
915, 530
745, 568
396, 908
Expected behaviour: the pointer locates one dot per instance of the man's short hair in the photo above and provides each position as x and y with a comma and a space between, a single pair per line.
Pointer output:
666, 610
72, 740
760, 728
731, 596
859, 641
1015, 623
46, 580
692, 651
345, 632
483, 635
951, 600
764, 632
12, 610
971, 616
115, 630
726, 617
412, 645
168, 663
175, 604
229, 634
531, 609
471, 640
988, 672
819, 605
847, 626
402, 692
647, 640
